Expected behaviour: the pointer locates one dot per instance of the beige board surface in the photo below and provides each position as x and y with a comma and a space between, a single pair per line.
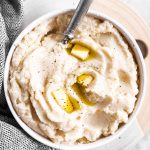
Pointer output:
124, 14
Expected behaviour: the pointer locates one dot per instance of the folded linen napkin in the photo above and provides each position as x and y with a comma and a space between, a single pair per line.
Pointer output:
12, 137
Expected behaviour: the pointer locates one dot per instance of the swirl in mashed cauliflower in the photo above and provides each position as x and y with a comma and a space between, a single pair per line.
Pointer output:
41, 65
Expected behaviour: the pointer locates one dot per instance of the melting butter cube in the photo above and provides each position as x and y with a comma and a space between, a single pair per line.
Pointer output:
84, 79
80, 52
63, 100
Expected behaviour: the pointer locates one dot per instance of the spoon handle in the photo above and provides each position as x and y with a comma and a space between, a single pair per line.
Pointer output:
79, 13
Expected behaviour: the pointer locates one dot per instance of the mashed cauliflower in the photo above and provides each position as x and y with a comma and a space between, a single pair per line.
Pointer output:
40, 65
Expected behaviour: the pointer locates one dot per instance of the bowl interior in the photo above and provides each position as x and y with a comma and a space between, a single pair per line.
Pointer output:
139, 60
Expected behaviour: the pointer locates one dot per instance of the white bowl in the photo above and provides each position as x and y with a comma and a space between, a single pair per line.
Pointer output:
139, 60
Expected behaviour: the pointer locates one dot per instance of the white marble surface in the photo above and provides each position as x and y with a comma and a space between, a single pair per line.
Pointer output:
35, 8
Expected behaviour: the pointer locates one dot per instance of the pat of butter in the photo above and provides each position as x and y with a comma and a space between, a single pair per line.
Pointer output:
80, 52
84, 79
63, 100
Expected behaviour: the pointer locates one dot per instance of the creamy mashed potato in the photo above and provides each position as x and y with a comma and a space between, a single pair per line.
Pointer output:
40, 65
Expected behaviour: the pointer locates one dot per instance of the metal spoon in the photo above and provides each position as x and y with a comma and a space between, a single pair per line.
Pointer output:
79, 13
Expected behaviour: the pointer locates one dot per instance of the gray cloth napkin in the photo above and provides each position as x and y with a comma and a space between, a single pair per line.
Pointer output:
12, 137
